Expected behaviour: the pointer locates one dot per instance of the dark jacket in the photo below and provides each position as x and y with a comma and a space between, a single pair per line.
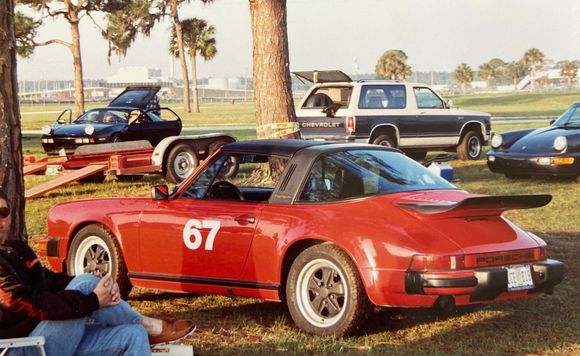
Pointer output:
30, 293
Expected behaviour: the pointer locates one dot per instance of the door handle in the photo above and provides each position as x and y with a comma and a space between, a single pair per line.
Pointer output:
245, 219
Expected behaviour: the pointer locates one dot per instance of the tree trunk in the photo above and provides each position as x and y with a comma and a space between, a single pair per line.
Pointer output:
181, 47
192, 53
275, 114
10, 137
78, 64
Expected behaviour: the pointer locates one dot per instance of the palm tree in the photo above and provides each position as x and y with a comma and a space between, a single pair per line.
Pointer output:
487, 73
197, 38
11, 149
515, 70
533, 57
463, 74
392, 64
568, 70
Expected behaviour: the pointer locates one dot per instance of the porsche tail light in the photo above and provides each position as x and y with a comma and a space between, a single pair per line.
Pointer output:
350, 124
434, 262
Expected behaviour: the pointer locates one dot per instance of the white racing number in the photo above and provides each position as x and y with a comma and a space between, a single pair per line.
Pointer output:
192, 235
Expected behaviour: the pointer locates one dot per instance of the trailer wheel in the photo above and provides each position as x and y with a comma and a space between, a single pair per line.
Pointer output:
181, 162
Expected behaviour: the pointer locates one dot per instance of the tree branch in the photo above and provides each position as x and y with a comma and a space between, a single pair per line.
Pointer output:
46, 43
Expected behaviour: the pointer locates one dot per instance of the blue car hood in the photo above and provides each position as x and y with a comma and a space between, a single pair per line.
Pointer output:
78, 130
541, 140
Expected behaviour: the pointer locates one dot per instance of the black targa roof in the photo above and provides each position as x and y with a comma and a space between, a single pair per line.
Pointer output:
323, 76
135, 97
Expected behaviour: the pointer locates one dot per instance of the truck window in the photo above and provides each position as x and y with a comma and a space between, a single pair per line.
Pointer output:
426, 99
382, 97
326, 96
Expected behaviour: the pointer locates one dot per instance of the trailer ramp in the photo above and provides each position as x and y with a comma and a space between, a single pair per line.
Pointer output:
65, 179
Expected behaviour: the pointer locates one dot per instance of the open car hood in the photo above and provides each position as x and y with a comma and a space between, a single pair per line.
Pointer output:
137, 96
432, 205
323, 76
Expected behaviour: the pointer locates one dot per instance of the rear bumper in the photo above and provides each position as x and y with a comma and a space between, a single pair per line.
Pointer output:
527, 165
481, 285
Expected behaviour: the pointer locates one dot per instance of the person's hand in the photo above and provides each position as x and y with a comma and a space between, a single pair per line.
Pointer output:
107, 292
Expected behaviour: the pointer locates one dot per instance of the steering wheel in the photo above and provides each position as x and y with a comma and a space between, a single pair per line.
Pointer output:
224, 190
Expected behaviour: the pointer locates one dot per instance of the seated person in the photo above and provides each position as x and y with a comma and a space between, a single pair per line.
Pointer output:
81, 315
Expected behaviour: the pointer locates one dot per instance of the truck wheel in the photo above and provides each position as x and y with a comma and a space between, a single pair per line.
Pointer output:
324, 292
384, 140
95, 248
470, 146
181, 162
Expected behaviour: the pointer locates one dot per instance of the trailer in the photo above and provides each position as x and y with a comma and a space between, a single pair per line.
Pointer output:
175, 157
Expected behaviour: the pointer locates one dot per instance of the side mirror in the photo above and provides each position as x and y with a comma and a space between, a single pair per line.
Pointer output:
552, 121
159, 192
449, 104
60, 121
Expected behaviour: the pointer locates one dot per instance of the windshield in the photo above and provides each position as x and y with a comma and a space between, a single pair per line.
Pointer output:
103, 116
570, 117
358, 173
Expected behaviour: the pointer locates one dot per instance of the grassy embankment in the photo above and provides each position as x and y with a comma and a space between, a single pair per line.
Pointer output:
539, 325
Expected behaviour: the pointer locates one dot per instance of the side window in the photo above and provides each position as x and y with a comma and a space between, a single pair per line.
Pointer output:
327, 96
426, 99
382, 97
330, 180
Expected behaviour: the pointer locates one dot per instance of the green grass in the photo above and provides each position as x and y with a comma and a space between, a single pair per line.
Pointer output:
544, 104
539, 325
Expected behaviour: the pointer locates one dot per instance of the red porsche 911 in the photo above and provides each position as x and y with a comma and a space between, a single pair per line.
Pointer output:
330, 229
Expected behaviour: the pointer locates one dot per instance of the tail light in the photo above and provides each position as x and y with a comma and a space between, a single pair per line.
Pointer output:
431, 262
350, 124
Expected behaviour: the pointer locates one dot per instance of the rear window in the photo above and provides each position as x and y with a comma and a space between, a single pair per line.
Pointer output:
359, 173
328, 96
382, 97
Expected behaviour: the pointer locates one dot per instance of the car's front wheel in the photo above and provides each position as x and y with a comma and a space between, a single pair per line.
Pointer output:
94, 248
324, 292
181, 162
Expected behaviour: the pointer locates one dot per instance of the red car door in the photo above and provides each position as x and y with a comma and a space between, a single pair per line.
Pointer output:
198, 238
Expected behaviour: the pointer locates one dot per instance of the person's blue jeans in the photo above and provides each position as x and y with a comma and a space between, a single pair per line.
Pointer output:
109, 331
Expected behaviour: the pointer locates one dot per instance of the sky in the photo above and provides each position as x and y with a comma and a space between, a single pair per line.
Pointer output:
349, 35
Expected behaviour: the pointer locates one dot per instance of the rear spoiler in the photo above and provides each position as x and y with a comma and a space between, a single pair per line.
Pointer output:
478, 206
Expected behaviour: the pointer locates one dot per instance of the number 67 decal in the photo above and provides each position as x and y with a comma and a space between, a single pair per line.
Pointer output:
192, 230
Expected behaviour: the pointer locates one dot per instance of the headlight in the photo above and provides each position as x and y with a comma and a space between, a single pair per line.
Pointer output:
47, 130
496, 141
89, 129
560, 143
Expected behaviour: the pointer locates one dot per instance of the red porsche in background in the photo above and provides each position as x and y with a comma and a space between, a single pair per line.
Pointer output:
331, 229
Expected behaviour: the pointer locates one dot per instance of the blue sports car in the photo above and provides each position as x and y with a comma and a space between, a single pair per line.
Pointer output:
133, 115
552, 151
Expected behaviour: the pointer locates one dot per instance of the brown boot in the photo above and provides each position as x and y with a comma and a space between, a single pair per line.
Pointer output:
173, 330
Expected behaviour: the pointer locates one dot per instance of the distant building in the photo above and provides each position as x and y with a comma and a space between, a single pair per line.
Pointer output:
127, 75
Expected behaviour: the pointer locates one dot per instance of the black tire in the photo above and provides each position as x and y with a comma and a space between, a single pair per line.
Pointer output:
417, 156
115, 138
94, 247
470, 146
340, 311
181, 162
384, 140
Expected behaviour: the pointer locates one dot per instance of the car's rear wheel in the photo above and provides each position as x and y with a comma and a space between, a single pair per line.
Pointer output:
470, 146
181, 162
324, 292
384, 140
95, 248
